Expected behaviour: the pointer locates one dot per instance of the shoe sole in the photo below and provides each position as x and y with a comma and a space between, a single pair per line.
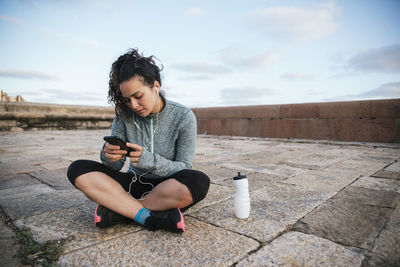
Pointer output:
97, 218
181, 224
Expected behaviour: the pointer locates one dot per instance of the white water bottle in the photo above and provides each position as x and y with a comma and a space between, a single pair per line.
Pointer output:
242, 199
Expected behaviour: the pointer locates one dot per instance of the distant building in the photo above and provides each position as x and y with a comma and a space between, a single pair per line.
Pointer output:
6, 98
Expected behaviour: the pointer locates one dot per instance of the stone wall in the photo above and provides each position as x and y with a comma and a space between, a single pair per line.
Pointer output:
32, 116
362, 121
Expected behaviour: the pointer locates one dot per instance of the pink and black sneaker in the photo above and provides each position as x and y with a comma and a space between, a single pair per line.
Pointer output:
171, 220
104, 217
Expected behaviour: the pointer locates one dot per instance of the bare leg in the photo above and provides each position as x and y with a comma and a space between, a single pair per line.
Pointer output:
104, 190
168, 195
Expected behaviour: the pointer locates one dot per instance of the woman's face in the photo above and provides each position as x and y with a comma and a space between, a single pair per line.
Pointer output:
141, 98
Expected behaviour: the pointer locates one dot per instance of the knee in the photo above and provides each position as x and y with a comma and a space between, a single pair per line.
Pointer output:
177, 190
203, 184
74, 170
77, 174
198, 184
78, 170
184, 194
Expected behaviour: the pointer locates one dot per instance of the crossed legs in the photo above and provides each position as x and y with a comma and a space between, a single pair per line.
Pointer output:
102, 189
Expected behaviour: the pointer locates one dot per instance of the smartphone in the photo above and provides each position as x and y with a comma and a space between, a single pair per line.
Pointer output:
114, 140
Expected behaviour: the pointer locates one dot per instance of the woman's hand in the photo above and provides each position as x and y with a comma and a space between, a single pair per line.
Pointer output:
135, 155
113, 152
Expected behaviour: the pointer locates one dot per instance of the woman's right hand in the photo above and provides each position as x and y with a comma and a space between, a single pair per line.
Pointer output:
113, 152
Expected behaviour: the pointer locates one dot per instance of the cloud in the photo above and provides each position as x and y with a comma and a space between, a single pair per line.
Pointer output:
297, 76
381, 59
69, 39
28, 75
241, 58
11, 20
387, 90
199, 77
76, 41
313, 92
201, 68
63, 96
195, 11
243, 95
294, 23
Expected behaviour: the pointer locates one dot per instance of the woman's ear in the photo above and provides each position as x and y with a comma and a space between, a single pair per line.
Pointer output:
157, 87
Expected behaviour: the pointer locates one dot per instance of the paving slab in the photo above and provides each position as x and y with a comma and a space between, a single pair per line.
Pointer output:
370, 196
273, 210
58, 163
387, 244
75, 224
267, 156
16, 180
29, 190
354, 217
34, 199
215, 151
330, 185
322, 180
376, 156
394, 167
223, 175
382, 184
276, 171
365, 168
8, 246
392, 171
14, 167
298, 249
56, 178
387, 174
216, 194
315, 160
256, 180
374, 260
216, 172
346, 223
202, 245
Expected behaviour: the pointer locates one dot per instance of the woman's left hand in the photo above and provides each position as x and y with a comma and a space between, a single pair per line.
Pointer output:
135, 155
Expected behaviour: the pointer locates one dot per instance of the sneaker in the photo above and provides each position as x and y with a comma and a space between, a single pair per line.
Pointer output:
171, 220
104, 217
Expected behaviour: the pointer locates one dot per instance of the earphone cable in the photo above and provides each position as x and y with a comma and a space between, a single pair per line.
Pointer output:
135, 177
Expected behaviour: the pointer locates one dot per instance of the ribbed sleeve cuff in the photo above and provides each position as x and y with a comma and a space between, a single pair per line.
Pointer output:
114, 165
146, 161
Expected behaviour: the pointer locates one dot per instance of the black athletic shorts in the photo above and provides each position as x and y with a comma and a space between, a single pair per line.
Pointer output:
197, 182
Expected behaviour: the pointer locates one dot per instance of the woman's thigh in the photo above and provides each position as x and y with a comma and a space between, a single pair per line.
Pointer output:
137, 186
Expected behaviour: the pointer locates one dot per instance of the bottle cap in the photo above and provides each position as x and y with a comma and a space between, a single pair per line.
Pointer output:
239, 176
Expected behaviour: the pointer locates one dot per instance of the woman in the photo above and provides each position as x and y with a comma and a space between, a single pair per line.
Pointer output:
159, 181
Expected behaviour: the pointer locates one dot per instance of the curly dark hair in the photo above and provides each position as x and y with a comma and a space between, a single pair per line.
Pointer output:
127, 66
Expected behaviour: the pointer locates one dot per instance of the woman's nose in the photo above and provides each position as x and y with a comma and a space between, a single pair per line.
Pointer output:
133, 104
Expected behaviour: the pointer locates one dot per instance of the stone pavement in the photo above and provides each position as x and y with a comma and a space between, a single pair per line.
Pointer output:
312, 203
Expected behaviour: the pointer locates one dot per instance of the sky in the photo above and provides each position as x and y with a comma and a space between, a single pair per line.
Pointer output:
213, 53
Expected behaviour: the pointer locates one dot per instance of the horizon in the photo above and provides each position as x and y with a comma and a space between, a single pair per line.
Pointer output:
278, 104
259, 52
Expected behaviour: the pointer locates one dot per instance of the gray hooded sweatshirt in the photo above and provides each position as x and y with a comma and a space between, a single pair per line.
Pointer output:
168, 140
